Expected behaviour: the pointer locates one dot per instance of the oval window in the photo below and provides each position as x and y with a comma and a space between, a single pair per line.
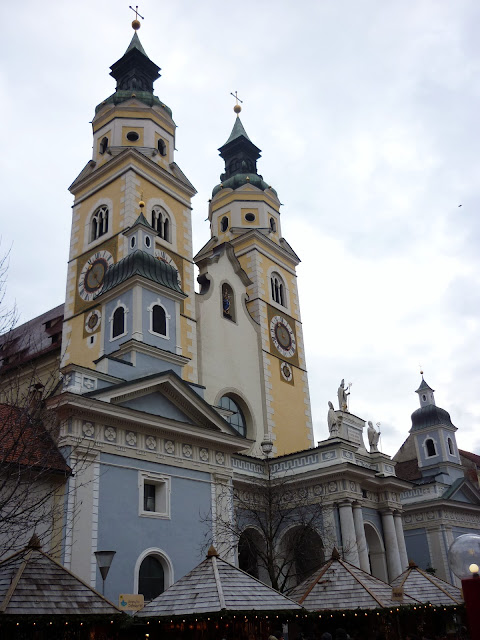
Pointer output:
133, 241
148, 242
132, 136
249, 217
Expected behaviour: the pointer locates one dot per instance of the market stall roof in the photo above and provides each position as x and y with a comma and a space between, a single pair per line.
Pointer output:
426, 587
216, 585
33, 583
341, 585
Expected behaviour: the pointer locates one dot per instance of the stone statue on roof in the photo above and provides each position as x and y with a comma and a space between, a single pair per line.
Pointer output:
342, 396
373, 437
332, 421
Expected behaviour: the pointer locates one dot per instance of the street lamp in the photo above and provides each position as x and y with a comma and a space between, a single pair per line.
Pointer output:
104, 561
464, 558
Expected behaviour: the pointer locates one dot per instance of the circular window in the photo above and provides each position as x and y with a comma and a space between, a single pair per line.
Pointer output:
148, 242
249, 217
236, 419
132, 136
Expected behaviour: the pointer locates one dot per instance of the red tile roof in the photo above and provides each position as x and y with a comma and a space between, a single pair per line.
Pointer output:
24, 440
470, 456
408, 470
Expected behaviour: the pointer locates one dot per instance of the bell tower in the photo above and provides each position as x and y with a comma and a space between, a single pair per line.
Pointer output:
133, 162
244, 215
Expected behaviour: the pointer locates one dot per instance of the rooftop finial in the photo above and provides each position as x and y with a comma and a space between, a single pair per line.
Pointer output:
237, 108
136, 23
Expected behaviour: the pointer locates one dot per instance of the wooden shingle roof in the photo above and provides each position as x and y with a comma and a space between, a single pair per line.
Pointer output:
341, 585
216, 585
426, 587
33, 583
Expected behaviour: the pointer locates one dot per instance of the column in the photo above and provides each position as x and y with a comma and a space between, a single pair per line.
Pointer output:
397, 517
391, 545
348, 532
360, 536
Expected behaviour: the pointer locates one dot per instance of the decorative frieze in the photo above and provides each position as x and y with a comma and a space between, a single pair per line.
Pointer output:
151, 443
88, 429
110, 434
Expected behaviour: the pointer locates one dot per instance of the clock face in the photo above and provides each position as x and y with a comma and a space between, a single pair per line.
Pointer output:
160, 254
92, 321
282, 336
286, 371
93, 273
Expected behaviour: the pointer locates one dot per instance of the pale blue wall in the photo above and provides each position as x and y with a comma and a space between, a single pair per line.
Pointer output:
157, 404
121, 529
157, 341
373, 516
126, 299
417, 547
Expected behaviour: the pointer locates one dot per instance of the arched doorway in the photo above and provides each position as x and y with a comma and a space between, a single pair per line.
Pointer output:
251, 551
302, 552
376, 552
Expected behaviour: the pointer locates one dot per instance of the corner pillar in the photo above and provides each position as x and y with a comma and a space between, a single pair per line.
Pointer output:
394, 564
360, 536
347, 526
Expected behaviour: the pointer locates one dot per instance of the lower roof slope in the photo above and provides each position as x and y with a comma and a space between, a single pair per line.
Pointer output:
216, 585
341, 585
426, 587
33, 583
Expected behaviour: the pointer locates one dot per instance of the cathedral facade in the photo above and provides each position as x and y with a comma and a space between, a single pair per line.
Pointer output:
167, 432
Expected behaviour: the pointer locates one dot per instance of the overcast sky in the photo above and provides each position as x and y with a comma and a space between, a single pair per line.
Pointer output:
367, 113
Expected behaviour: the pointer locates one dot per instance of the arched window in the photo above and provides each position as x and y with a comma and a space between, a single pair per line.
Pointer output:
162, 147
278, 289
118, 322
161, 223
228, 302
103, 145
159, 320
224, 224
236, 419
451, 450
151, 578
273, 224
99, 223
430, 447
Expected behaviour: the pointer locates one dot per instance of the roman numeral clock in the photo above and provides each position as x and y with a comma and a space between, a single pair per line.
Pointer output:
283, 342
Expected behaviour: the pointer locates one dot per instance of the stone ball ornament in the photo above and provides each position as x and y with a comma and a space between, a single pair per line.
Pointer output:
464, 556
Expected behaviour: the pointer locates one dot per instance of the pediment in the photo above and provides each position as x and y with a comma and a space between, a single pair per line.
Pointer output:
462, 490
165, 395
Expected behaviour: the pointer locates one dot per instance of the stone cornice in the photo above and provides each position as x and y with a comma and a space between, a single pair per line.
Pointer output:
70, 404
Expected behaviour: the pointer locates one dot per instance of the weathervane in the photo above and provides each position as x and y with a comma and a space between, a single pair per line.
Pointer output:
237, 108
136, 23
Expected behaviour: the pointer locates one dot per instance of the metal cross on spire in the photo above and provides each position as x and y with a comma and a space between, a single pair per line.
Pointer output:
237, 108
136, 23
